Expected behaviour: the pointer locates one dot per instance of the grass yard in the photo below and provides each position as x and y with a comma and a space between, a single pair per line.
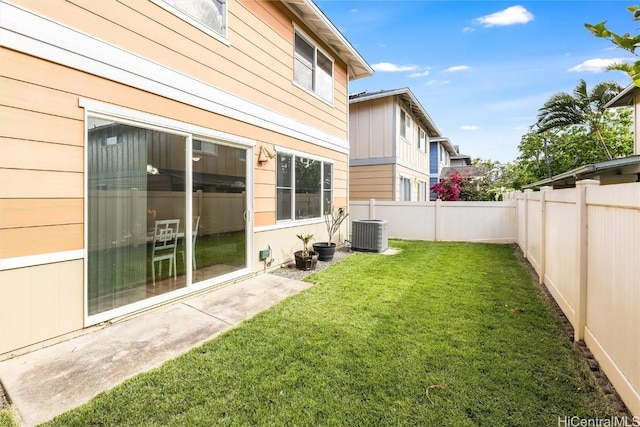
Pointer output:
441, 334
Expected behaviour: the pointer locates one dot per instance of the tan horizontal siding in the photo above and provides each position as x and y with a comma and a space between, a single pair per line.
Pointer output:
17, 242
262, 74
20, 94
29, 184
25, 124
25, 154
16, 213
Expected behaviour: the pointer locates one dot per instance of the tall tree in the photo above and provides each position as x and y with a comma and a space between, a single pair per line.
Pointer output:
623, 41
583, 108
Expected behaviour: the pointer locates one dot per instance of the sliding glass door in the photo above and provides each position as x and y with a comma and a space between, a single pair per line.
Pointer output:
219, 207
143, 239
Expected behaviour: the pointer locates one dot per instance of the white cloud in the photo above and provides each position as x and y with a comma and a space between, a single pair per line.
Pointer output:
469, 127
509, 16
437, 82
468, 30
596, 65
457, 68
392, 68
420, 74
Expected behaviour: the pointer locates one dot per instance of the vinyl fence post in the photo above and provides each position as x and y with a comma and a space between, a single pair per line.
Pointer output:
582, 221
437, 225
543, 232
525, 238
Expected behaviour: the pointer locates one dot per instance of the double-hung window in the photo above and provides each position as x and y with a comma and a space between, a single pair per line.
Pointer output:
405, 125
422, 140
209, 15
313, 70
405, 189
303, 187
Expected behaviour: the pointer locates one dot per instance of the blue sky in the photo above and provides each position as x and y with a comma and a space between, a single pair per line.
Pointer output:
482, 69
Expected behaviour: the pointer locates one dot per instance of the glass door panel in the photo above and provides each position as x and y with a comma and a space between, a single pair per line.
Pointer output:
218, 207
136, 212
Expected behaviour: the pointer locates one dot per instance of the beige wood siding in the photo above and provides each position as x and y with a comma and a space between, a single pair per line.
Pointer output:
39, 303
407, 148
257, 65
53, 128
371, 129
371, 182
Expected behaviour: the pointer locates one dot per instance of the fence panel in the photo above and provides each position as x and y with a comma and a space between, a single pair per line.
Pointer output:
493, 222
613, 286
561, 250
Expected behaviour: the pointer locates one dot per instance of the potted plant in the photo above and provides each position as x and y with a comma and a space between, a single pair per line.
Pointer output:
305, 259
332, 219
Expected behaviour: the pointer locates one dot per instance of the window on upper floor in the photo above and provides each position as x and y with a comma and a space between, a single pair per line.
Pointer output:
405, 125
313, 70
422, 140
208, 15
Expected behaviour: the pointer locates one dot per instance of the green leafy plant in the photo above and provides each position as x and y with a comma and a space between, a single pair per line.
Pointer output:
624, 41
306, 238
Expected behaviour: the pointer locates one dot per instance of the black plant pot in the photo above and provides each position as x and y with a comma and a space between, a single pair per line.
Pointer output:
325, 249
306, 263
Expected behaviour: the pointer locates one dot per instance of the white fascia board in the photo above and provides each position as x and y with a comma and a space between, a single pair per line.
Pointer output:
36, 35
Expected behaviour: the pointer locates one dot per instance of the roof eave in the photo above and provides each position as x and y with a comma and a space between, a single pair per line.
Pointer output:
624, 98
315, 19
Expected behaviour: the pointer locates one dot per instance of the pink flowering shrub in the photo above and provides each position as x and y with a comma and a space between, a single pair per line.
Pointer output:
448, 189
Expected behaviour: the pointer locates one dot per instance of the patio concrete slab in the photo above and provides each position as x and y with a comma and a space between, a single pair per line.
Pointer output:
50, 381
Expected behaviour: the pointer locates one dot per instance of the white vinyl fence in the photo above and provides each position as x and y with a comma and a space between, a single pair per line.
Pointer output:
491, 222
584, 243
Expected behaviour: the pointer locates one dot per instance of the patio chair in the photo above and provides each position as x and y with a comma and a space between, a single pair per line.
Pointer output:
165, 242
194, 235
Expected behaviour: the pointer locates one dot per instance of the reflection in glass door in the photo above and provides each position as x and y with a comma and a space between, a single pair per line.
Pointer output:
219, 175
135, 211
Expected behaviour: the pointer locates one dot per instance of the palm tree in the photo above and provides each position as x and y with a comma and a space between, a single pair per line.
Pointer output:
583, 108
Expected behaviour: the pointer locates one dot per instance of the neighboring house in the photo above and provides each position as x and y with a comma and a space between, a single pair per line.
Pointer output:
130, 128
460, 159
630, 97
389, 136
440, 153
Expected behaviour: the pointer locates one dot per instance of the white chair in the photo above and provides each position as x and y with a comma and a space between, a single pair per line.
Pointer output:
165, 242
194, 235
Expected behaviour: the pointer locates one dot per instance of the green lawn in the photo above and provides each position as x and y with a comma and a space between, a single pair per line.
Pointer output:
442, 334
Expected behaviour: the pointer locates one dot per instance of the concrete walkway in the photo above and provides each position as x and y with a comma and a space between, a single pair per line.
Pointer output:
55, 379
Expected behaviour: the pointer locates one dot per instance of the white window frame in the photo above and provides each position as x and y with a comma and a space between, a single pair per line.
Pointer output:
124, 115
406, 126
422, 140
199, 25
405, 181
313, 90
323, 161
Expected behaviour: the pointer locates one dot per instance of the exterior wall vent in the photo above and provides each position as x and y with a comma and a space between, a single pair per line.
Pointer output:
369, 235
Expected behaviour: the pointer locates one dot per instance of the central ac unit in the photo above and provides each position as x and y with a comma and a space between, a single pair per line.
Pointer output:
369, 235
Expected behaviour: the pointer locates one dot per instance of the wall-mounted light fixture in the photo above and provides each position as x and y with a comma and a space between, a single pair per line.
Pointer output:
264, 155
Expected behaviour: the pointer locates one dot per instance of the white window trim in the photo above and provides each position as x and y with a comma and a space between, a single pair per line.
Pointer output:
99, 109
283, 223
426, 140
223, 38
408, 127
333, 62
